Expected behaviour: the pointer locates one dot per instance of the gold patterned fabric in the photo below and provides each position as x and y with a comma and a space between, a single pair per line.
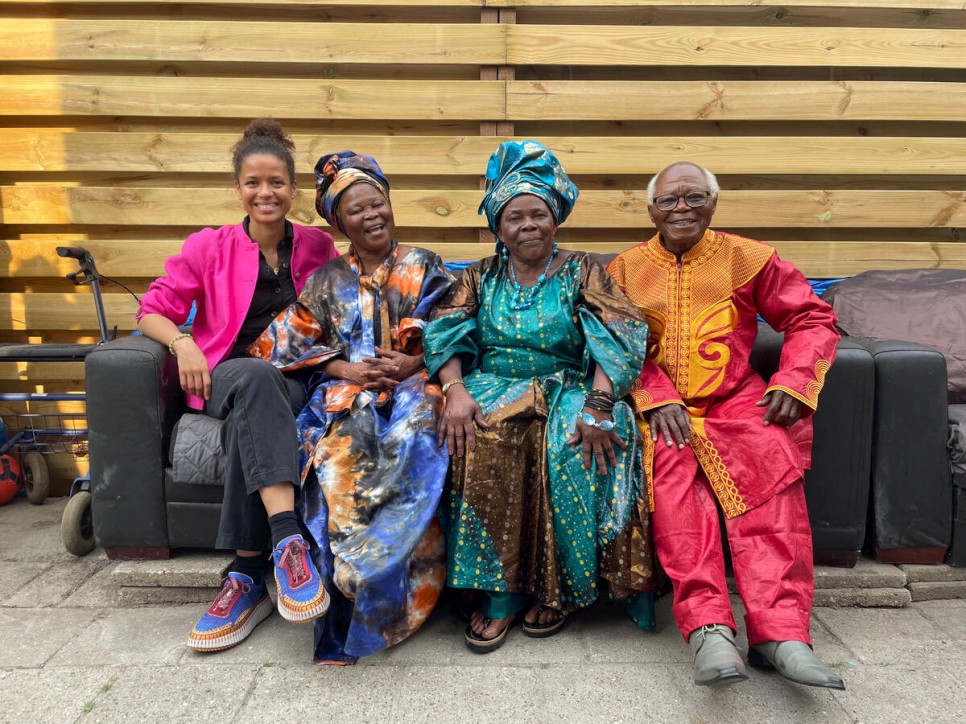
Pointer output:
702, 313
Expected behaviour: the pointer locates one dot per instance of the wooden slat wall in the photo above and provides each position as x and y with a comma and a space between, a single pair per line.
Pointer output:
837, 127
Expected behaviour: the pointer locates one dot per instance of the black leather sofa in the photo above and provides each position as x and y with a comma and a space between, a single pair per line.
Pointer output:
141, 511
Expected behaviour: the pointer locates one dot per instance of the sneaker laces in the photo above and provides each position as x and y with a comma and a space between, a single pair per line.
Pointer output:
229, 592
291, 560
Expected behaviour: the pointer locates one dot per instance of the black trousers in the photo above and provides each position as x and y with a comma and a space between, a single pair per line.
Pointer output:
258, 404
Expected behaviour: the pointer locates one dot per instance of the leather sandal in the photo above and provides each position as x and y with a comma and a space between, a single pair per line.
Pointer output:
479, 645
543, 630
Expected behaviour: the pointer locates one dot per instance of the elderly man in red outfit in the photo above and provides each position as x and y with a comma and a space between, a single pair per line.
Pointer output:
721, 436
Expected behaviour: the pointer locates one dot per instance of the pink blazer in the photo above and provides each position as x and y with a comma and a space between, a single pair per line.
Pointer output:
217, 268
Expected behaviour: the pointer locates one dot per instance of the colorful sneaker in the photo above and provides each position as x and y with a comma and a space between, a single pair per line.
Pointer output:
238, 608
301, 595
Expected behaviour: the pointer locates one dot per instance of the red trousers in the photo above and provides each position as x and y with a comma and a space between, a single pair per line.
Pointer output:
771, 553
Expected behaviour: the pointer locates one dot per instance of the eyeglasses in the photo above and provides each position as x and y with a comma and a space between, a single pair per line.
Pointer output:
694, 199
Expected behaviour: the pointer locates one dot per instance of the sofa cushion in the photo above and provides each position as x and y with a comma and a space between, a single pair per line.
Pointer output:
927, 306
196, 452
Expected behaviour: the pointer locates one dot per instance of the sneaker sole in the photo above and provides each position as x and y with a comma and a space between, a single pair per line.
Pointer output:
303, 615
260, 611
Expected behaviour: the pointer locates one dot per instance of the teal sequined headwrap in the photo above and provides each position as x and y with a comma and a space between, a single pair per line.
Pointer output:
526, 167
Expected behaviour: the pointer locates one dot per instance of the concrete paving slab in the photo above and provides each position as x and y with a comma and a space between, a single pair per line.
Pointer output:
32, 636
51, 696
884, 636
14, 576
395, 694
866, 574
948, 616
143, 636
903, 694
185, 570
863, 597
933, 574
939, 590
609, 637
609, 693
175, 694
21, 512
37, 537
98, 591
58, 581
131, 596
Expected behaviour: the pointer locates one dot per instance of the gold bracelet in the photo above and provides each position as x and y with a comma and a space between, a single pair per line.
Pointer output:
183, 335
457, 381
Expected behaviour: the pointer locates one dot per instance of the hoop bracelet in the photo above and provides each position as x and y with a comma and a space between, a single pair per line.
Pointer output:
183, 335
457, 381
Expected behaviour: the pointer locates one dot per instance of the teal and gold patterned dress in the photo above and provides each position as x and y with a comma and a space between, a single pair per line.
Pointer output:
522, 515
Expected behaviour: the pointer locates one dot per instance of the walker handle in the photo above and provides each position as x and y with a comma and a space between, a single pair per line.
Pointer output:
73, 252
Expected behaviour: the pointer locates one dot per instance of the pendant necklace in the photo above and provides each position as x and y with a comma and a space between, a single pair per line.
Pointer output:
523, 297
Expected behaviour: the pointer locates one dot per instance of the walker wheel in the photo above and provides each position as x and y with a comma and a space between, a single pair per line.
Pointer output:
77, 526
36, 479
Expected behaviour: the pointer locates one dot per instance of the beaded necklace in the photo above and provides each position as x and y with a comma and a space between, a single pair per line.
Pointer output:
523, 297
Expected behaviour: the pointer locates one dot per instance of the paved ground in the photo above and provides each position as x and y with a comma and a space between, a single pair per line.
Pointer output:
69, 652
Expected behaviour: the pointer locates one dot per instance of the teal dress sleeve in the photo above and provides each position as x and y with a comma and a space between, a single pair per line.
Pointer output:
614, 330
453, 328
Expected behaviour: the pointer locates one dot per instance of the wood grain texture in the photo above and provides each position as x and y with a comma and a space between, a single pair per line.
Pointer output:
105, 95
55, 150
52, 204
649, 45
873, 4
251, 42
64, 311
142, 257
735, 100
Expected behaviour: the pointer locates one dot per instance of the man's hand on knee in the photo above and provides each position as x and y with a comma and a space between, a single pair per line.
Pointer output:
672, 423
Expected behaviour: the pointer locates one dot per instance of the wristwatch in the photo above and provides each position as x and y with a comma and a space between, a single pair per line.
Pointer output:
589, 421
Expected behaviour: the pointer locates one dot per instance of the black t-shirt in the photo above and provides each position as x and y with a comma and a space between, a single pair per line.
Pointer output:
274, 291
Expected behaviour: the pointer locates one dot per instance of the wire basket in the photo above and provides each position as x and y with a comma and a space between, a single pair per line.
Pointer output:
48, 433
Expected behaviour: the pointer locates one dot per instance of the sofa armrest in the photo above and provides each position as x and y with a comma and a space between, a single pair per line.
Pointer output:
133, 400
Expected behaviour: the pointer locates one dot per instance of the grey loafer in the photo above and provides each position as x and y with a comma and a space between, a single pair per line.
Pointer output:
716, 658
795, 661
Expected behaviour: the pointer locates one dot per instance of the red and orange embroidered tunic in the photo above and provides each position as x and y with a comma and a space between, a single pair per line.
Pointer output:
702, 314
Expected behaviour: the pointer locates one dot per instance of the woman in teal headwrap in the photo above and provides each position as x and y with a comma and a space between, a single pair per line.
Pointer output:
535, 347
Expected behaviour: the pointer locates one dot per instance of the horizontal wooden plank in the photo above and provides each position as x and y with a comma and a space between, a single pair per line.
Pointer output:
251, 42
910, 4
816, 259
874, 4
296, 3
145, 258
64, 311
735, 100
185, 97
700, 45
50, 204
56, 150
41, 371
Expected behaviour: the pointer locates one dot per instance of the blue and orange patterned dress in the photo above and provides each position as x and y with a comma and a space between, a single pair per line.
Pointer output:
522, 515
372, 472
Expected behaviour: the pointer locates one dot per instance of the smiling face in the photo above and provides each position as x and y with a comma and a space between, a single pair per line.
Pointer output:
367, 217
265, 188
527, 227
682, 227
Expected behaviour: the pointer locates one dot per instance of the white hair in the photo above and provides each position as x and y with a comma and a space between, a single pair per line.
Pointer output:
709, 178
